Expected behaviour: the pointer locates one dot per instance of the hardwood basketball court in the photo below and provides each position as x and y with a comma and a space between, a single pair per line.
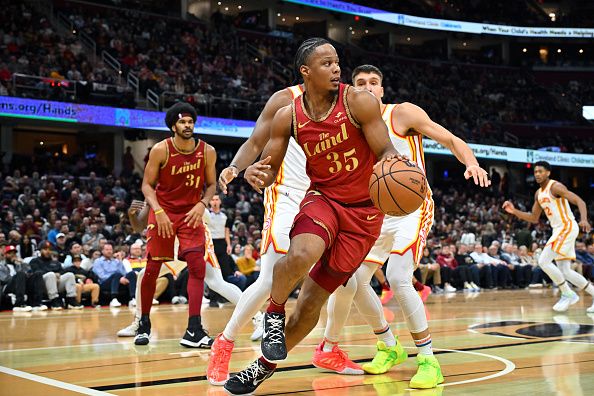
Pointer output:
494, 342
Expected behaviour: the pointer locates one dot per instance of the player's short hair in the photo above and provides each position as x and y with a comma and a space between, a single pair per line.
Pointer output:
367, 69
177, 111
544, 164
304, 51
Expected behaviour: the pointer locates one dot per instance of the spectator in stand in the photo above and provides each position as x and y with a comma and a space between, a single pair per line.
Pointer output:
447, 263
51, 236
231, 273
464, 259
112, 275
537, 274
502, 269
247, 265
92, 237
522, 273
29, 228
27, 247
484, 263
430, 269
585, 258
75, 250
54, 279
86, 281
13, 280
60, 247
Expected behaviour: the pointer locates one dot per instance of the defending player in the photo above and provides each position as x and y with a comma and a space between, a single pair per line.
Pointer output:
401, 242
341, 131
553, 198
179, 181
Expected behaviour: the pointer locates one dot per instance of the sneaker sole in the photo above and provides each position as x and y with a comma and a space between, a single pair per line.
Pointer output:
440, 380
190, 344
566, 309
217, 383
345, 371
120, 334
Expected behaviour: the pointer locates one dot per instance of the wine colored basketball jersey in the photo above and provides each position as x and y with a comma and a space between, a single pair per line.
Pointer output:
181, 178
339, 161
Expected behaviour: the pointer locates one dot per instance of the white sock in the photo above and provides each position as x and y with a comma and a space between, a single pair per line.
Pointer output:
386, 336
424, 346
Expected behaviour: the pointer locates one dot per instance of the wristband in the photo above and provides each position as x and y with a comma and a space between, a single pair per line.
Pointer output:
205, 207
159, 211
234, 166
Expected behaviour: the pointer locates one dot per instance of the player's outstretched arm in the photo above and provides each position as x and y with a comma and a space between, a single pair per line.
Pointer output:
249, 151
559, 190
365, 110
410, 117
275, 150
157, 157
194, 216
531, 217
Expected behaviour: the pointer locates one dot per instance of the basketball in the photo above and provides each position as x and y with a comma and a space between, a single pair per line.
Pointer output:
397, 188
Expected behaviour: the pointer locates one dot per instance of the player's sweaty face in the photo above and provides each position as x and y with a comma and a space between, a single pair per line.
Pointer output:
184, 127
370, 82
324, 67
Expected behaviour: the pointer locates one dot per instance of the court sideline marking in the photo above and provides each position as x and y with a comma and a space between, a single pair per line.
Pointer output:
52, 382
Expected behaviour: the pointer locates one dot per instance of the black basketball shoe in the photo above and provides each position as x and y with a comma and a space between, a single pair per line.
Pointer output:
143, 333
248, 380
273, 345
195, 336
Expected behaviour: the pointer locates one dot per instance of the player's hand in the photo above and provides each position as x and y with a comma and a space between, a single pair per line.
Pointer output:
508, 207
229, 249
124, 280
194, 216
478, 174
164, 225
585, 226
391, 156
254, 174
227, 175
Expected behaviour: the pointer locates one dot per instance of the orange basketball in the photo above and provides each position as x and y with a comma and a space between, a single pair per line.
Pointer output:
397, 188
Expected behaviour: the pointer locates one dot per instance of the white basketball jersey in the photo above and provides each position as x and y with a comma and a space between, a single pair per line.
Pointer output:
292, 171
411, 146
556, 209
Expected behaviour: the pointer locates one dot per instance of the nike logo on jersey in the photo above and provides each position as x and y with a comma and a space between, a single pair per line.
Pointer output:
304, 124
190, 334
173, 154
371, 217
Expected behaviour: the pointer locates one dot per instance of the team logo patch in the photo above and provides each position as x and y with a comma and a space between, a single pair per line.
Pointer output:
267, 224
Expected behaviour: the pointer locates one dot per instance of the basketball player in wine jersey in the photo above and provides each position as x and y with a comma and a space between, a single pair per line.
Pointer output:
342, 134
554, 198
281, 204
138, 216
401, 242
179, 181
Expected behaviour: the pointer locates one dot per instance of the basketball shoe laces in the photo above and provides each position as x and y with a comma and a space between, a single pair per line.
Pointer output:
275, 331
252, 372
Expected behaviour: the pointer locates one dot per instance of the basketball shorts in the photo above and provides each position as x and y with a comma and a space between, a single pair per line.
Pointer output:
350, 230
281, 205
209, 252
163, 249
563, 240
403, 233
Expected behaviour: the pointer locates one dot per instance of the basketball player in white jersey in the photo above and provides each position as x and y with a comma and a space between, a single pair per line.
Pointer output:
138, 214
401, 242
554, 198
281, 204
